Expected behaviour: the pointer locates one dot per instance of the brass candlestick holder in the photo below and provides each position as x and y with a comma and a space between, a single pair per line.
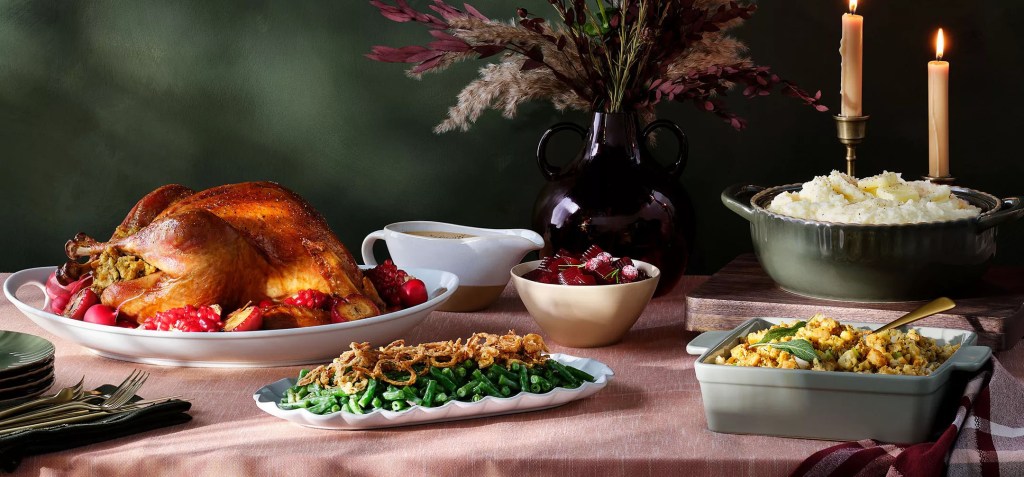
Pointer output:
851, 131
945, 180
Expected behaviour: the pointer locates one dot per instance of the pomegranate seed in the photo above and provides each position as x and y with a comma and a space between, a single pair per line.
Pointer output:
388, 279
186, 318
313, 299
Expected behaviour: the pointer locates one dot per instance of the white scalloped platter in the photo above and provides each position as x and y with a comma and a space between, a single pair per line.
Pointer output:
268, 396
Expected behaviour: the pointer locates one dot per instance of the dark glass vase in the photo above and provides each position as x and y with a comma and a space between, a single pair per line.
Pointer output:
615, 195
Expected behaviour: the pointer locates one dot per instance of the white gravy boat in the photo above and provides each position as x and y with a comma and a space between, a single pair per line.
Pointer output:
480, 257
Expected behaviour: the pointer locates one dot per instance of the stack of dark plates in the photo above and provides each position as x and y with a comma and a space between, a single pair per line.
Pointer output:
26, 366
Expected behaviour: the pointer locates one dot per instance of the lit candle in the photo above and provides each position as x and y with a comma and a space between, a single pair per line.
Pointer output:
938, 112
851, 48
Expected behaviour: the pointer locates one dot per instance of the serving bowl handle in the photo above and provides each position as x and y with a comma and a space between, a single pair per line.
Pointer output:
737, 198
1011, 209
704, 341
970, 358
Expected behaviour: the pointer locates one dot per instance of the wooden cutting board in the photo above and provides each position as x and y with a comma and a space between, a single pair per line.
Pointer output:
994, 308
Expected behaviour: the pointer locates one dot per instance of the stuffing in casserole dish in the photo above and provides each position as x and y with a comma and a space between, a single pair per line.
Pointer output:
821, 343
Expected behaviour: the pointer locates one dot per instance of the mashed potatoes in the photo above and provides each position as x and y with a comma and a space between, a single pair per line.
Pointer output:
882, 199
844, 348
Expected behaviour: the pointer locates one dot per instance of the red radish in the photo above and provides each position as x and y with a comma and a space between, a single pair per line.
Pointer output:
79, 284
80, 302
59, 303
54, 289
60, 294
413, 292
101, 315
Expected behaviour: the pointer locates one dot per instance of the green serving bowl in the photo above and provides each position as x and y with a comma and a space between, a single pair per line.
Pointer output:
872, 263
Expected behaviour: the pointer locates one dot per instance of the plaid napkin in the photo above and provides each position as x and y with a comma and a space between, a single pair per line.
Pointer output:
16, 446
986, 438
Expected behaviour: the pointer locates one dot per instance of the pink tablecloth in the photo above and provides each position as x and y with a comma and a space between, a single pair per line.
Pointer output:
648, 421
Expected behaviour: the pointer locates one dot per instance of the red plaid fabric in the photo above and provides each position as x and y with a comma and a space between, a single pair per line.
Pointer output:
985, 439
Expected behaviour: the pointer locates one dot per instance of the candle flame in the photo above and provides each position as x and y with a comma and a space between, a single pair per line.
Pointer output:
940, 45
853, 6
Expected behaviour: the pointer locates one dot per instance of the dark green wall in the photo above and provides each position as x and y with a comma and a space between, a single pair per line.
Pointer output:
100, 102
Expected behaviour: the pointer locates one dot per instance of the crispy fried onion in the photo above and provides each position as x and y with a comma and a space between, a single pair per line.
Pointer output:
400, 365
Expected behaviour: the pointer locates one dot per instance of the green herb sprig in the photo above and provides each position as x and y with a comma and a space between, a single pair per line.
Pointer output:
800, 348
778, 333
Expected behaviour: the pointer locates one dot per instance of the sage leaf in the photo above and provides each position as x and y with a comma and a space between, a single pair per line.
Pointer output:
801, 348
776, 333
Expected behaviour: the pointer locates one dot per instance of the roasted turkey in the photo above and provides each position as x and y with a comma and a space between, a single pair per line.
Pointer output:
230, 245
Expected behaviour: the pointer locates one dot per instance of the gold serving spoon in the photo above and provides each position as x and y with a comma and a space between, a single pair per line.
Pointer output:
937, 305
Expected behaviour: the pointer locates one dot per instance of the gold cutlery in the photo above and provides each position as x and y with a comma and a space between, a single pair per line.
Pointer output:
64, 395
937, 305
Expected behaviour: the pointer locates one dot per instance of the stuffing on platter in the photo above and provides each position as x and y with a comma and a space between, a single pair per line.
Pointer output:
823, 344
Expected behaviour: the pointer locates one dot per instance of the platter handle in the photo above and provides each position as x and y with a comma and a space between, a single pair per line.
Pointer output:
1011, 209
737, 198
704, 341
32, 277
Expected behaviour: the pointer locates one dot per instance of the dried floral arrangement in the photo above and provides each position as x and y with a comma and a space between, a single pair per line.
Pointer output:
601, 55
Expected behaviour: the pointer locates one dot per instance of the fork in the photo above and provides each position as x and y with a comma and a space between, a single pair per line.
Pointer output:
64, 395
121, 395
83, 416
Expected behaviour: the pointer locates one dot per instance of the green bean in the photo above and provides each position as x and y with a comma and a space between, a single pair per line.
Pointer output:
514, 367
544, 383
469, 364
503, 381
303, 373
441, 398
353, 404
505, 391
335, 408
377, 402
371, 388
524, 379
410, 395
502, 371
345, 408
398, 405
447, 372
477, 397
447, 383
536, 389
428, 395
564, 373
485, 384
461, 372
396, 395
581, 374
466, 389
302, 392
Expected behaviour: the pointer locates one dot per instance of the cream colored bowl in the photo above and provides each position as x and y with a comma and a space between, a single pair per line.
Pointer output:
585, 316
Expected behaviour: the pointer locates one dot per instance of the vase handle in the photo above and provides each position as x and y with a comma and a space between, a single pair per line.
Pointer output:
552, 172
676, 169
